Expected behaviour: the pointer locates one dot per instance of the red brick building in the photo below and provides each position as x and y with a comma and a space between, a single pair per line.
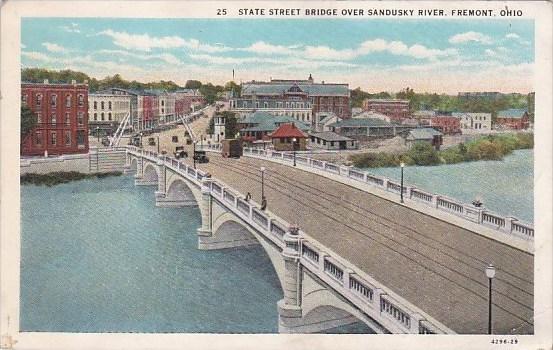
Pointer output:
397, 110
62, 118
513, 119
448, 125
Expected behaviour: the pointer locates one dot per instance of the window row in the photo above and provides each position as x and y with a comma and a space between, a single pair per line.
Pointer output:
54, 119
53, 100
102, 116
54, 141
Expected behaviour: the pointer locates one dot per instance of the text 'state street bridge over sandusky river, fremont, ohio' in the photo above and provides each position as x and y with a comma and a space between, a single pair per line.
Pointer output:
347, 251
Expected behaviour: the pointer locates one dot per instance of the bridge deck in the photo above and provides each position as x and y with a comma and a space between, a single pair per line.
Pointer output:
435, 265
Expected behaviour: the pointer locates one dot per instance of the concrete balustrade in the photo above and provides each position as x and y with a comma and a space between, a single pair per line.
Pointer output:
462, 210
299, 252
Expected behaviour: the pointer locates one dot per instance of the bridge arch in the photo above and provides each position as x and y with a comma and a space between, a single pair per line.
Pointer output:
229, 231
133, 164
181, 191
323, 309
151, 172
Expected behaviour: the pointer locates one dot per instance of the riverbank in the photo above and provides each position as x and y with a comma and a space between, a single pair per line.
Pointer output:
492, 147
60, 177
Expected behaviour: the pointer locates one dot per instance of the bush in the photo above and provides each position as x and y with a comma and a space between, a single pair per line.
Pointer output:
422, 153
59, 177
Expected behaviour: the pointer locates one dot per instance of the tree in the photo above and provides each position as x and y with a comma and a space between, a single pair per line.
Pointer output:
193, 84
28, 121
232, 86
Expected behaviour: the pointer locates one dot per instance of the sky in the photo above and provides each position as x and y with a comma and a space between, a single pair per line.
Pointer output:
431, 55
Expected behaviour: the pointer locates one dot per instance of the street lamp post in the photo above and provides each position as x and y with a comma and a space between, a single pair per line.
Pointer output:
98, 133
194, 154
141, 139
402, 165
490, 273
157, 144
262, 183
294, 149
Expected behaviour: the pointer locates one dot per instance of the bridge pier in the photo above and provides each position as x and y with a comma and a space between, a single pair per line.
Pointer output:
204, 232
289, 308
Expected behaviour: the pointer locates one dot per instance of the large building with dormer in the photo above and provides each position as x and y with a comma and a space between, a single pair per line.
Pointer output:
300, 99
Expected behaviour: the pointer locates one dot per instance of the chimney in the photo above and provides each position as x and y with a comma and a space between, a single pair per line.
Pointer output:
45, 81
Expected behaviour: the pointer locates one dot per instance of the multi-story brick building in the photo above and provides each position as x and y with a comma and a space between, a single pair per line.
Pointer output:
301, 99
187, 100
397, 110
513, 119
62, 122
106, 111
447, 124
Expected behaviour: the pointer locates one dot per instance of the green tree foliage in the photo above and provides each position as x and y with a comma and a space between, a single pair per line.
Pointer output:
193, 84
231, 124
232, 86
422, 153
211, 92
483, 148
37, 75
28, 121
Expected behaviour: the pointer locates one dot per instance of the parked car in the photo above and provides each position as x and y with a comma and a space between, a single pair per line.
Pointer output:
180, 152
201, 157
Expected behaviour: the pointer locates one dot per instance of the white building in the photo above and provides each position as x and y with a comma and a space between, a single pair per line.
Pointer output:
472, 123
166, 107
106, 111
372, 114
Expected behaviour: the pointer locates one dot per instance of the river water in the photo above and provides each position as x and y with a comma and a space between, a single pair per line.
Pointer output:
98, 256
505, 187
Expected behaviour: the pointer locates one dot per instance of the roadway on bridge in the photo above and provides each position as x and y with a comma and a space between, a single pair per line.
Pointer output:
435, 265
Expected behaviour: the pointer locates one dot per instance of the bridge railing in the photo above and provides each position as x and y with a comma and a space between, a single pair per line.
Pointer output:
361, 289
469, 212
366, 293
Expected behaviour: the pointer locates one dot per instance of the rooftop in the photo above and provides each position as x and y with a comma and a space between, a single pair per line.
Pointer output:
512, 113
279, 88
361, 122
329, 136
424, 133
288, 130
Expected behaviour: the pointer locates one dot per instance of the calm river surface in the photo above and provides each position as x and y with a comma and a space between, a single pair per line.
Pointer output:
506, 187
98, 256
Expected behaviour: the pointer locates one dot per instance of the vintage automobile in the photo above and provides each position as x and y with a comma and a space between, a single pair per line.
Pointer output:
180, 152
201, 157
151, 141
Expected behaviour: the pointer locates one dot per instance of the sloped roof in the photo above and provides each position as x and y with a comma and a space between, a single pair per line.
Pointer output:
512, 113
361, 122
311, 89
264, 121
288, 130
329, 136
424, 133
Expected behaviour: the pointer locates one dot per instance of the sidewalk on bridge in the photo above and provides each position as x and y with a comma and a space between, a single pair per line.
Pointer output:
513, 241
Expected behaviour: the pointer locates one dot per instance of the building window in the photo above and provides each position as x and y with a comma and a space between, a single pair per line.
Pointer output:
39, 118
102, 116
81, 100
80, 118
257, 105
109, 116
68, 138
53, 119
24, 99
68, 101
102, 105
265, 105
80, 137
109, 105
67, 118
95, 116
95, 104
162, 102
38, 138
53, 100
39, 100
53, 138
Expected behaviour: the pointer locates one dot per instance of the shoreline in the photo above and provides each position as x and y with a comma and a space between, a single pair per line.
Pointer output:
61, 177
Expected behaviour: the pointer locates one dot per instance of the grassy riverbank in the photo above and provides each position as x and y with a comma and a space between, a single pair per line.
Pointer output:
493, 147
60, 177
